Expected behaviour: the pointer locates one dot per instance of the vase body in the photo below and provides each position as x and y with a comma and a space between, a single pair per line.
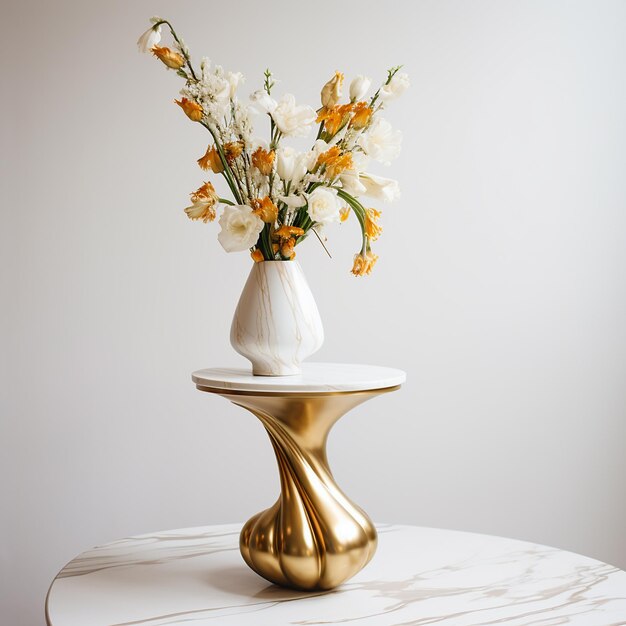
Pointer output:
276, 324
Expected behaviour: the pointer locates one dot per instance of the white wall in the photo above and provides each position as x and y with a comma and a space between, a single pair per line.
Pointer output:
500, 288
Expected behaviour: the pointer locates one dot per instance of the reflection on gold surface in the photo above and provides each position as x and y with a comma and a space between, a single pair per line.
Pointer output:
313, 537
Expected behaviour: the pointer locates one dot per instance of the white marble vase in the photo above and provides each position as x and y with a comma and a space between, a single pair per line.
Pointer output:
276, 324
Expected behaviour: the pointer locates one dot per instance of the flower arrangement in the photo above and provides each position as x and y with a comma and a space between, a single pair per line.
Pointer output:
280, 195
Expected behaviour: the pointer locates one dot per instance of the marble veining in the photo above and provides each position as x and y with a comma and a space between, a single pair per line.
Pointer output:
419, 577
315, 378
276, 324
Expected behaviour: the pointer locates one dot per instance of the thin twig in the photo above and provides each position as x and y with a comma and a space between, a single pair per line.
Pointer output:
320, 240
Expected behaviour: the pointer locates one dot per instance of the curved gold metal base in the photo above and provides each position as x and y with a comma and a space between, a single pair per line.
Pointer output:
313, 537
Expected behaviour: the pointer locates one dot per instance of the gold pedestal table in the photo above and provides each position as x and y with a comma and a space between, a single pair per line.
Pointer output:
313, 537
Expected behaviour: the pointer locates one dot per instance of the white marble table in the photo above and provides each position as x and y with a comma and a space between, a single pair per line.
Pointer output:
315, 378
419, 576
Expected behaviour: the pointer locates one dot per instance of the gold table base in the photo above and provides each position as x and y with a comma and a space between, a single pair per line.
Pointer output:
313, 537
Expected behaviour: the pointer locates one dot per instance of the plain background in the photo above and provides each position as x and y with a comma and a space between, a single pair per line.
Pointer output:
500, 287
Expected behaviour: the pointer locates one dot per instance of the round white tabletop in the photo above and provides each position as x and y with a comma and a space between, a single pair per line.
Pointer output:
315, 378
419, 576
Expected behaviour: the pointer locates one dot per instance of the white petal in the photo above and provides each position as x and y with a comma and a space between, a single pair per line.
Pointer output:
293, 202
149, 39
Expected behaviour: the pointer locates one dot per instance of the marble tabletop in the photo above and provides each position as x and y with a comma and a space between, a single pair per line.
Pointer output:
315, 378
419, 576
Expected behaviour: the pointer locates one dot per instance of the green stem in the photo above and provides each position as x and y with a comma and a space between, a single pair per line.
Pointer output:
266, 243
244, 156
359, 211
390, 74
227, 173
180, 45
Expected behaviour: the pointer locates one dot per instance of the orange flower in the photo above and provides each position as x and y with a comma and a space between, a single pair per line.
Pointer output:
232, 150
285, 232
263, 160
205, 192
192, 109
362, 115
257, 255
287, 248
334, 162
211, 161
265, 209
170, 58
344, 213
204, 200
201, 211
334, 118
287, 236
364, 263
331, 91
372, 228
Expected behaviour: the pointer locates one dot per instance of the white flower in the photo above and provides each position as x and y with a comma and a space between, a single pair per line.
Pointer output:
351, 183
380, 188
240, 228
360, 161
293, 120
291, 165
285, 162
219, 88
149, 39
234, 78
293, 201
396, 87
380, 141
262, 102
331, 91
359, 87
211, 92
324, 205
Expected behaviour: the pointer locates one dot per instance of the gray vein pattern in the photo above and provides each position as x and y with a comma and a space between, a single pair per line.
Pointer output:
419, 577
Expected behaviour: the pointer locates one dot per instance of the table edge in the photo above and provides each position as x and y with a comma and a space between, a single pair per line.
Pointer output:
395, 378
378, 526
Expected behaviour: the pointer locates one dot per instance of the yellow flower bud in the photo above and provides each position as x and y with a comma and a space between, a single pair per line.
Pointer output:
257, 255
172, 59
287, 248
192, 109
331, 91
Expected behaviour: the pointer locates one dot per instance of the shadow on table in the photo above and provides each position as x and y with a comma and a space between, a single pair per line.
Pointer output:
243, 581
